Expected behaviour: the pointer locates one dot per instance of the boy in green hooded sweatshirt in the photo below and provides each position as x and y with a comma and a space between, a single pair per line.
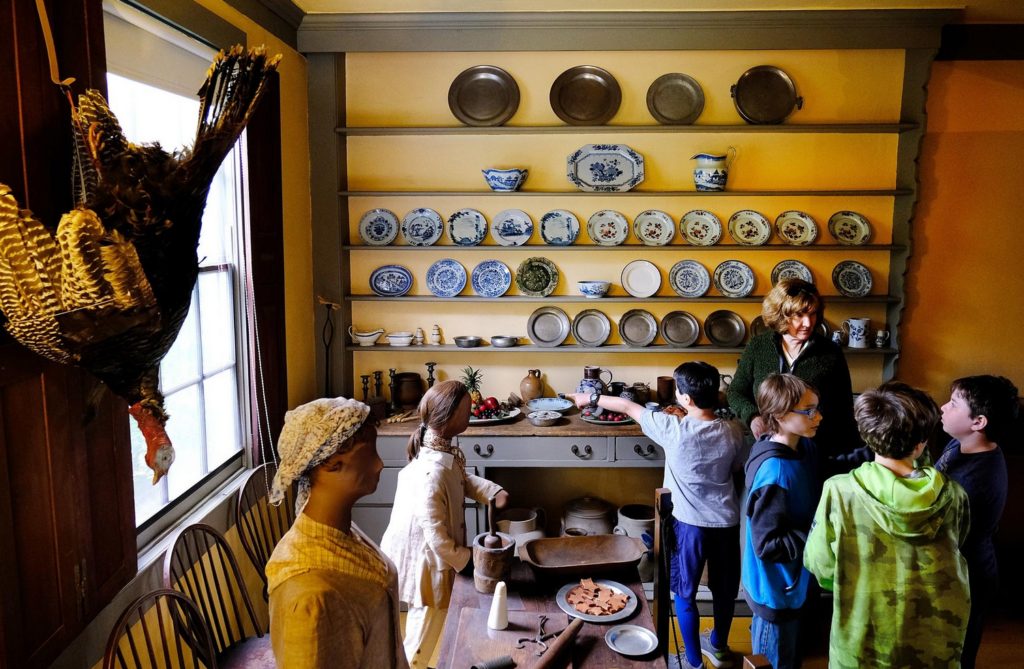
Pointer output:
886, 540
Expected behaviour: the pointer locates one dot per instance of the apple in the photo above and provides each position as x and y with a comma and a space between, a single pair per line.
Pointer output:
491, 403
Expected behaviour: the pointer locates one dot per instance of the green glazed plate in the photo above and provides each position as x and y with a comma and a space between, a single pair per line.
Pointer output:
537, 277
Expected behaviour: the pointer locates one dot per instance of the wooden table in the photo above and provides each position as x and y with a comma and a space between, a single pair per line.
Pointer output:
525, 593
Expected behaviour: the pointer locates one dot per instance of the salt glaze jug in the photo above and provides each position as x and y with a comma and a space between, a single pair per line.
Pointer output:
712, 171
531, 387
591, 382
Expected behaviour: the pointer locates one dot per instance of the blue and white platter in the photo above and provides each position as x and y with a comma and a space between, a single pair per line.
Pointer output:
608, 228
559, 227
654, 228
791, 269
558, 404
734, 279
689, 279
378, 227
467, 227
852, 279
491, 278
446, 278
605, 168
422, 227
391, 281
512, 227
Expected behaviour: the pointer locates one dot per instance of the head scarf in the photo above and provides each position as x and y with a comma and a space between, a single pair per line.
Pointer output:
312, 433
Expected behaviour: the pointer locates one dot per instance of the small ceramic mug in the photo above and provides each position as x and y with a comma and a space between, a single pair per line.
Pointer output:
837, 338
881, 337
856, 330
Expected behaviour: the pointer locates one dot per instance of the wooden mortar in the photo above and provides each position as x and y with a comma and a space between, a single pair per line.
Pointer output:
491, 565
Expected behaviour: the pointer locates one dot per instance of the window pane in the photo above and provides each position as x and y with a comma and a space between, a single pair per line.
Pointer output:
148, 114
215, 247
185, 430
149, 498
221, 397
217, 320
181, 364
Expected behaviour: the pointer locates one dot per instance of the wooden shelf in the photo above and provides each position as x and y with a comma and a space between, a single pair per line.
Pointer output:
632, 193
576, 348
840, 128
669, 299
544, 248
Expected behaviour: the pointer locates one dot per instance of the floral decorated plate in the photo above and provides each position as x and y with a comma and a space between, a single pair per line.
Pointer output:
734, 279
849, 228
378, 227
641, 278
701, 228
608, 228
446, 278
512, 227
467, 227
559, 227
537, 277
749, 228
605, 168
391, 281
654, 228
790, 269
796, 228
422, 227
491, 278
689, 279
852, 279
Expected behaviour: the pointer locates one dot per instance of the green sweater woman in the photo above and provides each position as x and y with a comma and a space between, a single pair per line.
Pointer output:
792, 310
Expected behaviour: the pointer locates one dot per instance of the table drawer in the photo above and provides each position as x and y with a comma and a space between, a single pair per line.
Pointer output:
388, 486
638, 448
393, 449
547, 449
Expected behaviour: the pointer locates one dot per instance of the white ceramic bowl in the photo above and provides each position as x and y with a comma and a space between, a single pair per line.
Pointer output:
400, 338
594, 289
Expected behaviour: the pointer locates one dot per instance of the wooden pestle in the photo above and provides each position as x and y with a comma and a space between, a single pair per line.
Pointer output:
492, 540
562, 643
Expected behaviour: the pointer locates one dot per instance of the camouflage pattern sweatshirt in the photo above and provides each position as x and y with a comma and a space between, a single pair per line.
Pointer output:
889, 549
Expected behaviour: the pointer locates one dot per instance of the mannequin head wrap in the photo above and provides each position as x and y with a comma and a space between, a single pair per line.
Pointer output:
312, 433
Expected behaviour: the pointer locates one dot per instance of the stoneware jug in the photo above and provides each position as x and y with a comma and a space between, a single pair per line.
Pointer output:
591, 382
530, 388
856, 330
634, 521
712, 171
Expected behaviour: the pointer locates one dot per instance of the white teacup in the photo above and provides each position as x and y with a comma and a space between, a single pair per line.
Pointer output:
881, 337
856, 330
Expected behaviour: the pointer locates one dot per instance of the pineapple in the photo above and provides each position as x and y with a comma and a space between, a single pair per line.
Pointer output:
472, 378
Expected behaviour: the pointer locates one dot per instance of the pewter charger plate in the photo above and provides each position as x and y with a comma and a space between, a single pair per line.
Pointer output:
591, 328
638, 328
617, 588
585, 95
548, 327
680, 329
675, 99
725, 328
483, 96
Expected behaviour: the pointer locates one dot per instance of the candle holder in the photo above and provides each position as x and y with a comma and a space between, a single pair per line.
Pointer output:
393, 407
366, 386
377, 382
430, 374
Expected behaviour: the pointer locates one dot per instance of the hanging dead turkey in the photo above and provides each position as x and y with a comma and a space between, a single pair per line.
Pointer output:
110, 290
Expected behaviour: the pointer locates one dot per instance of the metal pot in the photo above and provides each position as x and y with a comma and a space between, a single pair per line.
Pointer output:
592, 514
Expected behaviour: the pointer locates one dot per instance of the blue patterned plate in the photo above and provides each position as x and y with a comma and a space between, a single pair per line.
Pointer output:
467, 227
734, 279
391, 281
790, 269
605, 168
446, 278
749, 228
608, 228
559, 227
422, 227
378, 227
852, 279
491, 278
689, 279
654, 228
512, 227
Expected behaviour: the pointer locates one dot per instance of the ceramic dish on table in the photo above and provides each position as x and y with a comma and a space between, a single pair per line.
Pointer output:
422, 227
749, 228
591, 328
391, 281
654, 228
734, 279
548, 327
700, 228
605, 168
483, 96
631, 640
608, 228
849, 228
725, 328
689, 278
378, 227
594, 418
852, 279
557, 404
765, 95
641, 278
536, 277
512, 227
675, 99
504, 341
543, 418
638, 328
467, 227
559, 227
491, 278
791, 269
679, 329
446, 278
585, 95
512, 413
796, 228
617, 588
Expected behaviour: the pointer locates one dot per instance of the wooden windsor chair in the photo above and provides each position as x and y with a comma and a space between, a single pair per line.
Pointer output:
201, 565
261, 524
163, 628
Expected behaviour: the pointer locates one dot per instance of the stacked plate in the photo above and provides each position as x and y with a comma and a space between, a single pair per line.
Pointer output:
548, 327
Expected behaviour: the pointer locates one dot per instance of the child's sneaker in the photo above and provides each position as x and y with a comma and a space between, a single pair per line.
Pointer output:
719, 657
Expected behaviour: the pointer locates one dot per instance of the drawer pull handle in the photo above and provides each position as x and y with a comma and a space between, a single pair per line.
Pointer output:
489, 450
587, 451
640, 451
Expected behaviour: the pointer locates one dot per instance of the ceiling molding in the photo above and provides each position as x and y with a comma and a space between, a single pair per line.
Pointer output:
280, 17
623, 31
287, 10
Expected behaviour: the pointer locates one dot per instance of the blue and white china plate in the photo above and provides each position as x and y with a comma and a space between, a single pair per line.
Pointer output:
796, 228
558, 404
559, 227
791, 269
849, 228
422, 227
701, 228
654, 228
852, 279
608, 228
391, 281
641, 278
689, 279
467, 227
749, 228
378, 227
446, 278
491, 278
734, 279
512, 227
605, 168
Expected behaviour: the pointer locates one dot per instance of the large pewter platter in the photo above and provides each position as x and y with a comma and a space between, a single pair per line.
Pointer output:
591, 328
675, 99
548, 327
679, 329
483, 96
585, 95
765, 95
638, 328
725, 328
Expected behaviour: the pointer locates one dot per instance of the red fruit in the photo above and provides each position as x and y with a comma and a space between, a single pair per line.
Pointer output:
491, 403
618, 418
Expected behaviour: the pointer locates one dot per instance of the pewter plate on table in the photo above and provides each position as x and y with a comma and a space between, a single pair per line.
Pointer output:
378, 227
512, 227
467, 227
591, 328
852, 279
559, 227
796, 228
631, 640
791, 269
654, 228
700, 228
675, 99
679, 329
548, 327
689, 279
483, 96
585, 95
638, 328
562, 598
725, 328
749, 228
422, 227
608, 228
849, 228
605, 168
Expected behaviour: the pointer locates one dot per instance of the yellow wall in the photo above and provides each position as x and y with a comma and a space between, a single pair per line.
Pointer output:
298, 250
965, 287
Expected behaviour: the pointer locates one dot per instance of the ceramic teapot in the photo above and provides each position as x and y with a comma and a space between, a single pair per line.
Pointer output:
365, 338
712, 171
591, 382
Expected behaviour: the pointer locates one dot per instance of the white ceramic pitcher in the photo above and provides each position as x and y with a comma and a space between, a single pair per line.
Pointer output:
712, 171
857, 331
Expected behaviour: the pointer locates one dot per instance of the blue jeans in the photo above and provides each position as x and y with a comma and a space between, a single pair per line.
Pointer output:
776, 641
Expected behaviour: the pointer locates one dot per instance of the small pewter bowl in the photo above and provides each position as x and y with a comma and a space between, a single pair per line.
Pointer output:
503, 341
467, 342
543, 418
